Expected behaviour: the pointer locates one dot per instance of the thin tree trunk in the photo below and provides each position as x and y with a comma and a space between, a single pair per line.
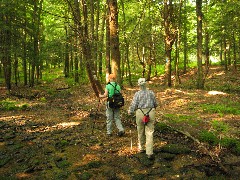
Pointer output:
207, 51
100, 46
225, 54
185, 46
15, 69
200, 79
6, 50
66, 59
25, 48
96, 86
169, 39
234, 53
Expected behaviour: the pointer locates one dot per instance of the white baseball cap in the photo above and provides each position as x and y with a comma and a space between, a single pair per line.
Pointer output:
141, 81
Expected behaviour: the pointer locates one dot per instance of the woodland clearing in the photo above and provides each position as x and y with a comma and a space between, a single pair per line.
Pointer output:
60, 133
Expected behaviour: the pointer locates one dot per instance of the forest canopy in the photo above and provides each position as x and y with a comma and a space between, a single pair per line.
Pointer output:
147, 38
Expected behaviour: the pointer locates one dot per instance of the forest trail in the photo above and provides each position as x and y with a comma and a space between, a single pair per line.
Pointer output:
64, 136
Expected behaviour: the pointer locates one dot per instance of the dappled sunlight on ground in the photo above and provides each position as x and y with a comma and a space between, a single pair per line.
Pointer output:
71, 129
216, 93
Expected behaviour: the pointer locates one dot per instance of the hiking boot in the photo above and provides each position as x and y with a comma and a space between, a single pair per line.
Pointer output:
150, 157
121, 133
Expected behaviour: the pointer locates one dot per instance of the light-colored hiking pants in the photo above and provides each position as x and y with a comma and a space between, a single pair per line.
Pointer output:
145, 132
113, 115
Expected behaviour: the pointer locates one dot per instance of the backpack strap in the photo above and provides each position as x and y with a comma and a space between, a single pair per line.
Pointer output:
115, 87
147, 112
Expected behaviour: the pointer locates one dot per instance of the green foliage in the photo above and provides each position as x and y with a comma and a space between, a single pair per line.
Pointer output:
218, 135
4, 161
208, 137
62, 143
43, 99
220, 108
10, 105
181, 118
237, 148
63, 164
94, 164
84, 176
162, 127
219, 127
175, 149
70, 81
49, 75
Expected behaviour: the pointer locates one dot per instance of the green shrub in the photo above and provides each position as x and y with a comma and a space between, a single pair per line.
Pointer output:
8, 105
209, 137
43, 99
219, 126
237, 148
228, 142
24, 106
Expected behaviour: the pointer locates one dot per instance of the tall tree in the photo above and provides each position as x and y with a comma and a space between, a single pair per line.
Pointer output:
170, 35
200, 78
5, 46
35, 63
114, 39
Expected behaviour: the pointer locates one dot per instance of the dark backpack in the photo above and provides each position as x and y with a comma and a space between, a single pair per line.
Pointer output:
117, 100
146, 117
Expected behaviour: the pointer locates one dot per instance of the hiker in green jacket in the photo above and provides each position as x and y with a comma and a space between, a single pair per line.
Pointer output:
112, 114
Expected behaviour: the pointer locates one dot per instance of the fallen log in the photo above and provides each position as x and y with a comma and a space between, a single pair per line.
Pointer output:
202, 148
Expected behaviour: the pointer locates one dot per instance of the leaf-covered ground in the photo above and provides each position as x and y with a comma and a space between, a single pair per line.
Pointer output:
61, 133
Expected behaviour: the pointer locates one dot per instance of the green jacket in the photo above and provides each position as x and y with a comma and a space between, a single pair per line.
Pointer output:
110, 88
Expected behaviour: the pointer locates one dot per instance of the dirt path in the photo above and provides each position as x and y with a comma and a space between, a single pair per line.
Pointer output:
65, 138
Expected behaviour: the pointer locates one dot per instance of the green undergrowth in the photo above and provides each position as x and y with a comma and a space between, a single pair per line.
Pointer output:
222, 108
182, 118
218, 134
9, 105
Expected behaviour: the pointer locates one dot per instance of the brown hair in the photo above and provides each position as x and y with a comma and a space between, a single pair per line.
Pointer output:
112, 76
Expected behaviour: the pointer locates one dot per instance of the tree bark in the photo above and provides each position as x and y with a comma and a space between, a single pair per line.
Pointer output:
200, 78
87, 53
169, 38
6, 49
108, 53
114, 39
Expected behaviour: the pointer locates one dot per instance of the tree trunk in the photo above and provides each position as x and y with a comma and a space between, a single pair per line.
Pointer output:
108, 54
100, 46
234, 53
6, 50
97, 88
126, 48
200, 78
25, 48
207, 51
66, 59
76, 41
225, 53
185, 46
35, 58
169, 38
114, 39
15, 69
178, 43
